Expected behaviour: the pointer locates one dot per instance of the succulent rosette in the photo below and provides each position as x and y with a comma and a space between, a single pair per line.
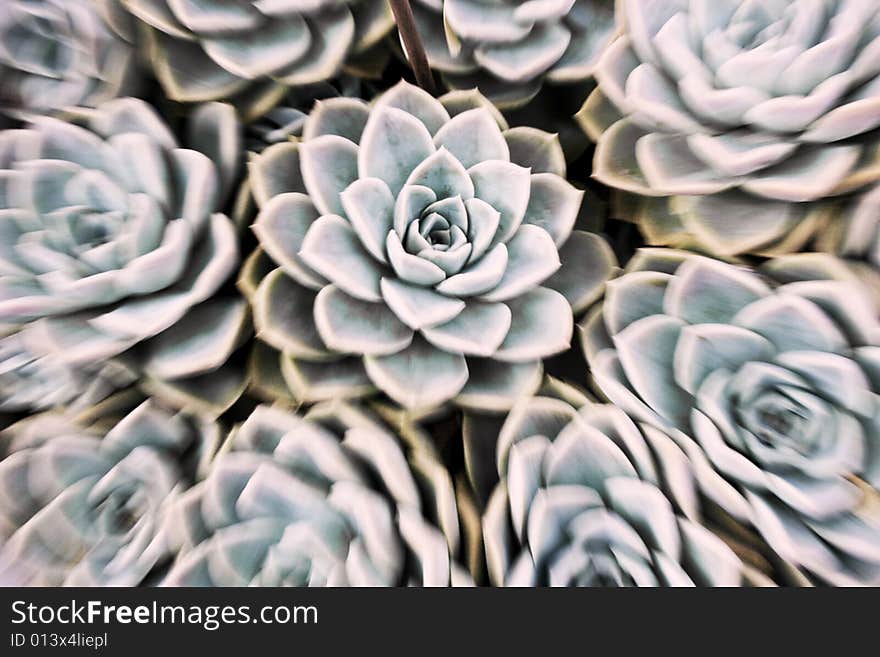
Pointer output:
771, 390
216, 49
59, 54
109, 241
509, 48
590, 498
427, 255
739, 107
84, 506
331, 498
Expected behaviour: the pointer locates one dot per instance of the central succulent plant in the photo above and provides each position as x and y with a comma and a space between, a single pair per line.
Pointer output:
328, 499
509, 48
214, 49
772, 390
419, 252
739, 107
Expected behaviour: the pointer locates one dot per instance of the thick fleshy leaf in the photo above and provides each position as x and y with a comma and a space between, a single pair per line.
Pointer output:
281, 227
633, 296
614, 162
282, 42
705, 348
478, 330
207, 395
528, 57
587, 264
369, 206
411, 268
328, 164
214, 130
444, 174
349, 325
541, 325
670, 167
330, 37
497, 386
276, 171
331, 247
796, 178
646, 349
791, 323
531, 258
709, 291
393, 144
473, 137
418, 102
345, 117
656, 102
421, 376
483, 222
480, 277
582, 457
283, 316
419, 307
536, 150
201, 342
648, 511
474, 21
410, 204
506, 187
553, 206
337, 379
539, 416
188, 74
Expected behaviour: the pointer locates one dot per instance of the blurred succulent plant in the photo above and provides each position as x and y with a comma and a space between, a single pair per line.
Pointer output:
589, 498
740, 107
429, 256
60, 54
509, 48
109, 241
29, 382
730, 224
216, 49
771, 390
85, 507
328, 499
849, 245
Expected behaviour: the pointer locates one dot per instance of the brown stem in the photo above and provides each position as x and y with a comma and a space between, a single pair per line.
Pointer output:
412, 43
